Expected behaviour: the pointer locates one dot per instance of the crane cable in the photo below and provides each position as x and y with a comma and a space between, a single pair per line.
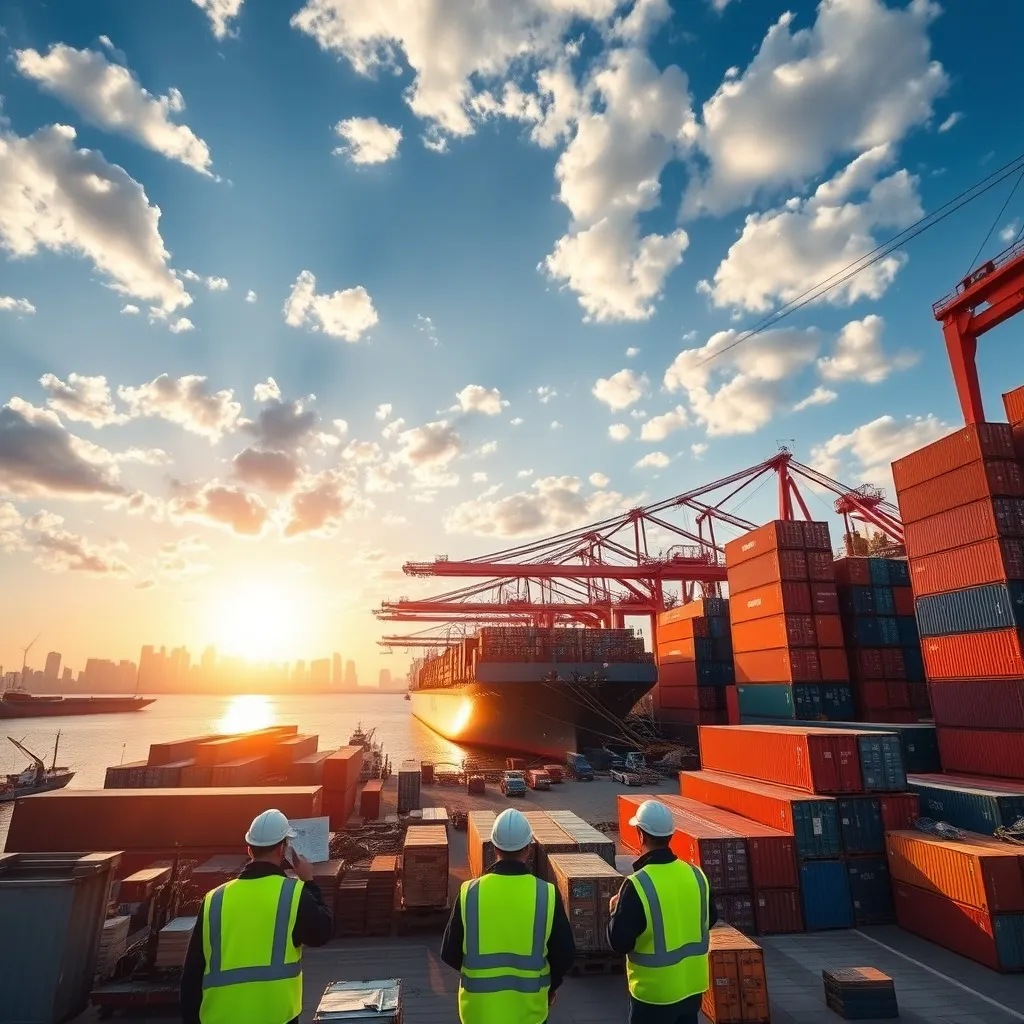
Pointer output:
995, 223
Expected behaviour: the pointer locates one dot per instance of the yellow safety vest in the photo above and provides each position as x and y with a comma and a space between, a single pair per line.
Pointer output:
253, 969
506, 925
670, 960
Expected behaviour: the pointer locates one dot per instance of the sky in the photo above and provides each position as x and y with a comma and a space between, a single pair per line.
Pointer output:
293, 292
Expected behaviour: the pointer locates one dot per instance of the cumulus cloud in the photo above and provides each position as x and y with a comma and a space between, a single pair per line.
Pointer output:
819, 396
214, 284
784, 254
173, 561
221, 14
383, 411
632, 352
430, 450
271, 470
322, 502
11, 305
11, 538
657, 428
181, 325
111, 97
955, 118
619, 431
545, 394
698, 449
620, 390
82, 399
861, 76
654, 460
346, 314
250, 296
474, 398
367, 140
60, 550
551, 504
859, 355
282, 424
186, 401
216, 504
598, 480
68, 200
267, 391
129, 309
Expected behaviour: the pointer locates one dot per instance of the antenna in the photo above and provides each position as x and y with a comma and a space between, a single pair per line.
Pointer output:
24, 657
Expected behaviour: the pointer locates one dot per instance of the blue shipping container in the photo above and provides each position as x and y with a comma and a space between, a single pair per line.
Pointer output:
1009, 933
907, 626
913, 662
825, 891
837, 701
888, 631
885, 603
899, 572
716, 607
703, 648
857, 600
879, 569
995, 606
780, 700
714, 673
719, 627
860, 824
870, 890
863, 631
977, 810
881, 763
721, 648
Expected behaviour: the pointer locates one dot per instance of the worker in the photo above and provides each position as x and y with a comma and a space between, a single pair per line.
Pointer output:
660, 920
244, 960
508, 935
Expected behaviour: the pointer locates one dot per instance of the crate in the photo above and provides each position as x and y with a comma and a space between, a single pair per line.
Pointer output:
586, 883
425, 867
860, 993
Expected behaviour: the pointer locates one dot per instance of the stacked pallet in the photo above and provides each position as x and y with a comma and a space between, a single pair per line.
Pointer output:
113, 944
340, 777
380, 895
860, 993
787, 636
328, 875
587, 838
548, 839
586, 883
425, 868
350, 905
738, 989
173, 940
882, 645
694, 652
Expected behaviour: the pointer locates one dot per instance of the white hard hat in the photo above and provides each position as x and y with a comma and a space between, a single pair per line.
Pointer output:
268, 829
654, 818
511, 832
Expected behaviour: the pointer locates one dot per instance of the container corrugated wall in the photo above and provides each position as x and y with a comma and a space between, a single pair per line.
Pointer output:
982, 752
992, 655
994, 606
826, 895
969, 444
860, 824
983, 704
975, 808
870, 890
972, 565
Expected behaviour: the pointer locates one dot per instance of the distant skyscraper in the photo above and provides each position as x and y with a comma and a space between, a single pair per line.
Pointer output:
320, 673
351, 679
337, 671
384, 679
299, 673
52, 670
66, 674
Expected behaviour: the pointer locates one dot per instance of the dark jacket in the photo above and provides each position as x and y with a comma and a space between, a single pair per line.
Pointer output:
629, 922
561, 947
313, 927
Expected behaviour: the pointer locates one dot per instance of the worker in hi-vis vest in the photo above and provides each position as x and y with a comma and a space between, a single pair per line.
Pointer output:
244, 960
660, 920
508, 936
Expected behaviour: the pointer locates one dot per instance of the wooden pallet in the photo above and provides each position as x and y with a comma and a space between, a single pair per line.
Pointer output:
422, 920
597, 963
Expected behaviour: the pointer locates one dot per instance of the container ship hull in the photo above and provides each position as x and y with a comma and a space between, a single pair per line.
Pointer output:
24, 706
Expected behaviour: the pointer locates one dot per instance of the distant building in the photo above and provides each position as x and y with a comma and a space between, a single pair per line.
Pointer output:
66, 676
320, 673
351, 679
299, 674
384, 679
52, 670
337, 671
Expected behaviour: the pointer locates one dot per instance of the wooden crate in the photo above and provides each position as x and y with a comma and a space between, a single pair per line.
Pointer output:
586, 883
425, 867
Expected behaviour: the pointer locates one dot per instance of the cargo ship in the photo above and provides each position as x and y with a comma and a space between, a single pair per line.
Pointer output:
532, 690
19, 704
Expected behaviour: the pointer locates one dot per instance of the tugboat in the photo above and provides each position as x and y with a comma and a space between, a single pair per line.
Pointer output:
35, 779
373, 753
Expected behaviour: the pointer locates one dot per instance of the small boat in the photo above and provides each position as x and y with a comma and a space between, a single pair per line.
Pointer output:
407, 697
37, 778
373, 753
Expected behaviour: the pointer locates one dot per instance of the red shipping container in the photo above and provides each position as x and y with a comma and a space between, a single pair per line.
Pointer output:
342, 768
873, 695
1013, 403
816, 760
719, 853
983, 704
824, 599
782, 665
899, 693
308, 770
680, 716
369, 799
982, 752
971, 781
691, 698
893, 665
892, 716
903, 598
867, 662
994, 654
774, 631
819, 567
772, 536
973, 565
829, 630
979, 871
176, 750
852, 571
899, 810
676, 673
732, 705
771, 853
816, 536
772, 567
981, 520
778, 911
338, 806
834, 666
787, 598
974, 482
919, 696
970, 443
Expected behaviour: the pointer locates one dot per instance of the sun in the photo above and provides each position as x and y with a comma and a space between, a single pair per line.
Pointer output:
259, 620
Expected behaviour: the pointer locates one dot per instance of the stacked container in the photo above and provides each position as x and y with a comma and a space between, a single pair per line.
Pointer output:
882, 646
695, 665
787, 635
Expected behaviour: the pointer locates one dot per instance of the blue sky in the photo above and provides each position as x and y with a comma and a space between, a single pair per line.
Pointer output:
497, 205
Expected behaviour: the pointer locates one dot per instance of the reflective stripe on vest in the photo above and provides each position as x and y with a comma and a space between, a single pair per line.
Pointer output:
662, 955
535, 960
277, 969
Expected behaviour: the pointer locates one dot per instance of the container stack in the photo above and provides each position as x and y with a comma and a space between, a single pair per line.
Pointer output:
882, 646
340, 777
409, 787
695, 664
586, 883
787, 635
369, 799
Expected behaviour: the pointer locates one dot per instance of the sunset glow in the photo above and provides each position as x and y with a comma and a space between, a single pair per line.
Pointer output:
259, 620
246, 713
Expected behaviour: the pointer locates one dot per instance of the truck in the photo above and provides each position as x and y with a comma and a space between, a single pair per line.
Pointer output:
513, 784
537, 778
625, 778
579, 766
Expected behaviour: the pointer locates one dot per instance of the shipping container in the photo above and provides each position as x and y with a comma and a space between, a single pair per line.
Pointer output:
989, 561
773, 567
825, 890
981, 703
972, 443
991, 655
737, 910
425, 867
370, 799
782, 665
978, 870
894, 667
829, 630
738, 988
781, 533
481, 849
694, 673
691, 698
824, 599
774, 631
1013, 403
708, 606
852, 571
885, 602
780, 700
786, 598
968, 524
248, 771
338, 806
819, 567
913, 661
903, 600
881, 762
813, 821
834, 666
994, 606
342, 768
899, 810
587, 838
976, 481
778, 911
870, 890
857, 600
286, 750
409, 783
586, 883
899, 572
816, 536
816, 760
866, 663
982, 752
996, 942
860, 824
973, 803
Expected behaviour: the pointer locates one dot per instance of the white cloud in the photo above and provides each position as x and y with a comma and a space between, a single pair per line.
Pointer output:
516, 421
632, 352
250, 296
269, 469
59, 550
618, 431
819, 396
221, 13
869, 450
657, 428
598, 480
216, 504
367, 141
11, 305
1007, 235
955, 118
479, 478
474, 398
181, 325
111, 97
859, 354
654, 460
383, 411
321, 504
186, 401
129, 310
784, 254
83, 399
550, 505
344, 314
68, 200
214, 284
556, 425
429, 450
643, 20
545, 394
698, 449
11, 538
861, 76
489, 448
620, 390
267, 391
281, 423
524, 474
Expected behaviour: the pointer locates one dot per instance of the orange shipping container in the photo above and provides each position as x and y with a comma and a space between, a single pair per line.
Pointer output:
973, 482
787, 598
738, 989
968, 444
995, 654
682, 629
676, 651
768, 568
782, 665
691, 610
981, 520
980, 871
829, 629
772, 536
974, 565
774, 631
1013, 403
834, 666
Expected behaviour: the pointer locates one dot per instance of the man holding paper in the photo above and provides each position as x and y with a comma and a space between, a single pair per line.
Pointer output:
244, 961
